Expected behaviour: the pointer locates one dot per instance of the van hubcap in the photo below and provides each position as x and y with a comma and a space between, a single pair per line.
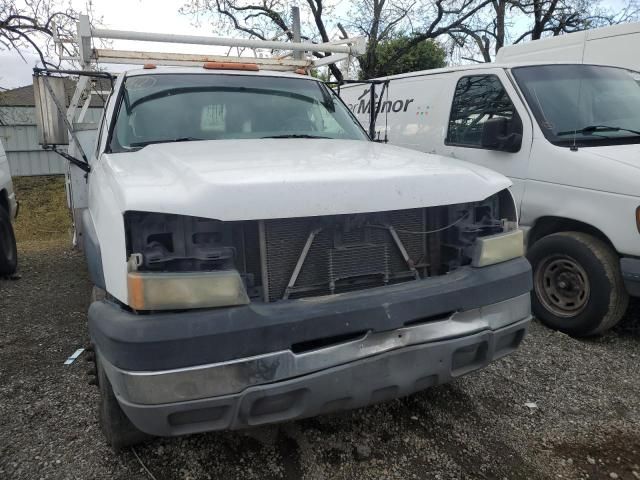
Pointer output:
562, 285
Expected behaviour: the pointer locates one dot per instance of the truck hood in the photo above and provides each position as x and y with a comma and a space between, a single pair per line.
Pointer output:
279, 178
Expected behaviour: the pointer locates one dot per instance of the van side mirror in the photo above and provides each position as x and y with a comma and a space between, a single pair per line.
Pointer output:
496, 135
49, 119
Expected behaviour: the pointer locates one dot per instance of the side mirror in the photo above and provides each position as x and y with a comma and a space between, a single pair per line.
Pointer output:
49, 119
496, 136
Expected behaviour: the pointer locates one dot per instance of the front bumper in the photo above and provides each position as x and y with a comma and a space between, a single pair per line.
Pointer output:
355, 384
630, 268
177, 373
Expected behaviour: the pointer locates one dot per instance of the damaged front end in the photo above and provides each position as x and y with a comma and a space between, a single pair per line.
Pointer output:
242, 323
276, 260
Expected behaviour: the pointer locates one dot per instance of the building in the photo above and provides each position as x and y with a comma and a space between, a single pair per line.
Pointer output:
18, 131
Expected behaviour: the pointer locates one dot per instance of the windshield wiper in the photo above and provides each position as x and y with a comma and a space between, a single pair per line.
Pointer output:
295, 136
597, 129
166, 140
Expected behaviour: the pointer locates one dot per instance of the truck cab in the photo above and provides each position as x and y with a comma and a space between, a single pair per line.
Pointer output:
8, 212
568, 136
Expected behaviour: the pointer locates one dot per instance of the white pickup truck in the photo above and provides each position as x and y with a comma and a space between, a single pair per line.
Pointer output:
8, 211
260, 259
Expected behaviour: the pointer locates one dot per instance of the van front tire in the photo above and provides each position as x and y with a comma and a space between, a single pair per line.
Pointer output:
117, 428
8, 249
578, 287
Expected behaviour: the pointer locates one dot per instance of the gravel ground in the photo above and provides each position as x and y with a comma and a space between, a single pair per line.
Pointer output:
583, 418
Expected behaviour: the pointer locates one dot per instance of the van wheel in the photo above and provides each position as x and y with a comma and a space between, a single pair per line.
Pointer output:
578, 287
117, 428
8, 250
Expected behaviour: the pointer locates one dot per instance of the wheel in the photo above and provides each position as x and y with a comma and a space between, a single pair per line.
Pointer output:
8, 250
117, 428
578, 287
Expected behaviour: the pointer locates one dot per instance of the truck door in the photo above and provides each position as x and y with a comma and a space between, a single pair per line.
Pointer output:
489, 125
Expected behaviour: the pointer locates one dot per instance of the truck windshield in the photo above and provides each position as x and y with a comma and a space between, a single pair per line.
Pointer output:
586, 105
184, 107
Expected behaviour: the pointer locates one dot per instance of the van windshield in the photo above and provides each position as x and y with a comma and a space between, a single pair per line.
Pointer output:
583, 104
162, 108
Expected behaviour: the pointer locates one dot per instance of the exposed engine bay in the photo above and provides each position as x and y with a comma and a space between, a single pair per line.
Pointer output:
280, 259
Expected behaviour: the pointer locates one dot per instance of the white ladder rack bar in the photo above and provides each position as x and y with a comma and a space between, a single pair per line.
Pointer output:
338, 50
187, 59
350, 46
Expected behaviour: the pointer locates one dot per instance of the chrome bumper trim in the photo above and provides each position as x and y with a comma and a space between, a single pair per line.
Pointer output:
205, 381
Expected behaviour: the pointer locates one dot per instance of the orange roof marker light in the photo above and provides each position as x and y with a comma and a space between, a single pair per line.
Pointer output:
149, 66
253, 67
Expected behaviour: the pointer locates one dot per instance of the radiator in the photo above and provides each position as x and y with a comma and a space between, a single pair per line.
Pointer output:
340, 253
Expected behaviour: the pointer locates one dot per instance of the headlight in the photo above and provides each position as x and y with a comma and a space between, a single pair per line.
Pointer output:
171, 291
497, 248
180, 262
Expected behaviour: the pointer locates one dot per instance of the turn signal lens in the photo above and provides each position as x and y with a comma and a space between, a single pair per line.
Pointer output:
176, 291
498, 248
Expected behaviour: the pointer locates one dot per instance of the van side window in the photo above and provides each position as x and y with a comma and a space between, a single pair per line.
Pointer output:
478, 99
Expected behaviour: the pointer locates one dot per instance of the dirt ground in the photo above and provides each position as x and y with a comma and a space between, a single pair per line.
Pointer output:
557, 408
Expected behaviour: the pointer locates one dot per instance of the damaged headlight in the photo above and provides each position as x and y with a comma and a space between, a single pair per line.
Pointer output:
484, 233
172, 291
498, 248
506, 244
180, 262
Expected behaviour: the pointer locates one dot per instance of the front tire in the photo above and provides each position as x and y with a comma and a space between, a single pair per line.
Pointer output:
578, 287
117, 428
8, 249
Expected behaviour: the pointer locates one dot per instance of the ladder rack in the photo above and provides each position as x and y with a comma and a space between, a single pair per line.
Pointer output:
338, 50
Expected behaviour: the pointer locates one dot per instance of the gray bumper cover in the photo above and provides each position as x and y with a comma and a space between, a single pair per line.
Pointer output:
285, 386
370, 380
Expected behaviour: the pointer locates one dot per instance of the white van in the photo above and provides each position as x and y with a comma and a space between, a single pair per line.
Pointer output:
568, 136
617, 45
8, 211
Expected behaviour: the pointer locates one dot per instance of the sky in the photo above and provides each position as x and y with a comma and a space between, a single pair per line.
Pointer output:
140, 15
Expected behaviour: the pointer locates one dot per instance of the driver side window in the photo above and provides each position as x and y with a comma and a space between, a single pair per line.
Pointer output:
479, 102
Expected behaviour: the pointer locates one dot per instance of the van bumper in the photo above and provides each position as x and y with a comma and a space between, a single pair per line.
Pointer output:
179, 373
630, 268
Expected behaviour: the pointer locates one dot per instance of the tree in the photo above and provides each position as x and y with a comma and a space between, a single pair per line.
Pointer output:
265, 19
423, 56
377, 20
501, 22
32, 25
555, 17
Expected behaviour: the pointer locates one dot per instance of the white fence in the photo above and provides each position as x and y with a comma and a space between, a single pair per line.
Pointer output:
25, 156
